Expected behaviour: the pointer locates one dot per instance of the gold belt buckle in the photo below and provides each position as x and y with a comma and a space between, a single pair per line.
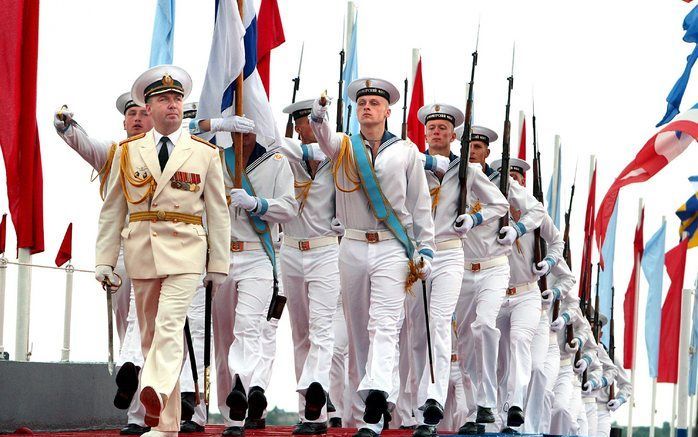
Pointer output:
372, 237
303, 245
475, 267
160, 215
511, 291
454, 358
237, 246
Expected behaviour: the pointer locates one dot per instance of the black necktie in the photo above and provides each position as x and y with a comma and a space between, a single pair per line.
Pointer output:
164, 154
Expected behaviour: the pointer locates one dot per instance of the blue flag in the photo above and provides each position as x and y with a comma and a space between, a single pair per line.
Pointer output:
606, 275
693, 369
653, 268
553, 197
688, 213
162, 45
350, 74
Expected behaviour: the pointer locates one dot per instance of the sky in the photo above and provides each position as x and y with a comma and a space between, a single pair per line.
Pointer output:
600, 72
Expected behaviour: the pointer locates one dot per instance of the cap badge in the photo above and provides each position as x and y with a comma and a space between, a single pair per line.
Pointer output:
368, 83
437, 108
167, 80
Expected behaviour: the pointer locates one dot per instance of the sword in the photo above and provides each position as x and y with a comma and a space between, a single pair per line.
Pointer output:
426, 321
110, 289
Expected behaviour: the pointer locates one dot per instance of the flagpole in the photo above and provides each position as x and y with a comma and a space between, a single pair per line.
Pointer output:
68, 312
237, 137
3, 271
654, 406
631, 404
685, 339
24, 277
672, 424
415, 60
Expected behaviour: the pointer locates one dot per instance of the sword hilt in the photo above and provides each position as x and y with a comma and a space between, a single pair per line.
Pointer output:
108, 286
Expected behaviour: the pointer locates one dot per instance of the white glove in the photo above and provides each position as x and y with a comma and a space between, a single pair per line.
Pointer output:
319, 112
215, 278
542, 268
466, 223
279, 241
510, 235
426, 269
549, 296
337, 226
62, 118
240, 198
580, 366
442, 163
103, 272
614, 404
590, 386
572, 347
315, 153
232, 124
557, 324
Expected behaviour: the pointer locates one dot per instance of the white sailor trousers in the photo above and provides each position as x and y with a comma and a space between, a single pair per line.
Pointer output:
262, 377
195, 314
239, 309
455, 410
443, 287
311, 281
130, 351
540, 355
603, 420
590, 412
338, 370
372, 277
121, 301
481, 297
563, 419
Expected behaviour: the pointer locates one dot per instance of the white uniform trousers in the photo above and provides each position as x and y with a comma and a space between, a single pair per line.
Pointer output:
239, 311
338, 371
162, 305
195, 314
311, 281
455, 410
552, 367
443, 287
269, 328
579, 409
372, 276
563, 420
121, 300
590, 412
131, 351
535, 399
481, 297
406, 404
603, 420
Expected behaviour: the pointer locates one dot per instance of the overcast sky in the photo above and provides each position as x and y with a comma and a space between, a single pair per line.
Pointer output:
600, 70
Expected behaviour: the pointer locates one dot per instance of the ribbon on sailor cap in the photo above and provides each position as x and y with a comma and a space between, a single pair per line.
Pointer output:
189, 110
369, 86
124, 102
299, 109
478, 133
515, 164
161, 79
440, 111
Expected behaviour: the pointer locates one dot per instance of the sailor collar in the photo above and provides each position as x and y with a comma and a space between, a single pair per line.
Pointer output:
258, 156
387, 140
453, 158
491, 173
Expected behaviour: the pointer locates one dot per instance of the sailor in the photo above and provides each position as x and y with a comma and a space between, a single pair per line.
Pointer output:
338, 371
519, 315
611, 398
241, 306
99, 154
485, 281
165, 244
383, 201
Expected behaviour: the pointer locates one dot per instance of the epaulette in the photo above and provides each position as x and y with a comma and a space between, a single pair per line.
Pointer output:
133, 138
201, 140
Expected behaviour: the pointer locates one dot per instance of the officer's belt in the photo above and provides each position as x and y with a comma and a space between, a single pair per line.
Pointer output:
454, 358
240, 246
487, 264
165, 216
566, 362
456, 243
368, 236
310, 243
522, 288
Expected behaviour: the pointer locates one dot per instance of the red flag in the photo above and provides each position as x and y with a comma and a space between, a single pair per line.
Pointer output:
630, 301
585, 273
522, 139
270, 35
65, 252
19, 135
415, 129
675, 262
3, 233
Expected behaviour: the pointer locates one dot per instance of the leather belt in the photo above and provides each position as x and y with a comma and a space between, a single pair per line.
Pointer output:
368, 236
487, 264
521, 288
240, 246
165, 216
309, 244
456, 243
566, 362
454, 358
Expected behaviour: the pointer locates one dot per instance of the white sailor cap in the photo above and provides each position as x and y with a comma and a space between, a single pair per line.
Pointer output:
515, 164
124, 102
299, 109
189, 109
481, 133
159, 80
370, 86
440, 111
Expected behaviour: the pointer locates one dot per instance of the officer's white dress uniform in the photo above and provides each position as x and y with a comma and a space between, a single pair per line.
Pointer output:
372, 263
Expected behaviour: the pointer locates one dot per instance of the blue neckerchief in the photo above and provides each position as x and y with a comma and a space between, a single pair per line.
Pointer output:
488, 170
451, 155
259, 225
257, 152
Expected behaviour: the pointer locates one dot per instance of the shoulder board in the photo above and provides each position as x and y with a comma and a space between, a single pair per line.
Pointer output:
269, 153
202, 141
133, 138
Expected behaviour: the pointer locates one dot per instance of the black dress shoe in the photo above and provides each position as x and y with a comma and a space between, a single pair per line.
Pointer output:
471, 428
330, 406
188, 405
376, 406
484, 415
425, 431
509, 430
234, 430
515, 416
433, 412
237, 402
335, 422
127, 385
365, 432
310, 428
255, 423
315, 399
407, 427
189, 427
133, 429
257, 403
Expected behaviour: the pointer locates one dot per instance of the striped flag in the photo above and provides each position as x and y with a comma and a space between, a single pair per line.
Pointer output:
653, 268
688, 214
271, 35
351, 68
553, 197
162, 44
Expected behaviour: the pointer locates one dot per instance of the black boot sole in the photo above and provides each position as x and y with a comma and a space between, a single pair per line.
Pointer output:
257, 403
127, 385
315, 399
376, 406
237, 402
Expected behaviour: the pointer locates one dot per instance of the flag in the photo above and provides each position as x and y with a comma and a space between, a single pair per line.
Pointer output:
690, 25
606, 274
415, 129
522, 140
271, 35
630, 302
694, 182
693, 369
65, 252
3, 233
162, 44
668, 362
19, 134
688, 214
585, 272
351, 68
553, 197
653, 268
659, 150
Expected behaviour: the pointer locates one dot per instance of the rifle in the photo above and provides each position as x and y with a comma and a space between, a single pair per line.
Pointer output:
597, 325
612, 343
296, 85
348, 119
566, 238
506, 139
207, 344
539, 245
340, 86
465, 139
404, 114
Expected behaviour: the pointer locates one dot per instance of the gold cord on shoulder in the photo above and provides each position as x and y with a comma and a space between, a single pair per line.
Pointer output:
434, 193
126, 174
345, 159
104, 172
303, 189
